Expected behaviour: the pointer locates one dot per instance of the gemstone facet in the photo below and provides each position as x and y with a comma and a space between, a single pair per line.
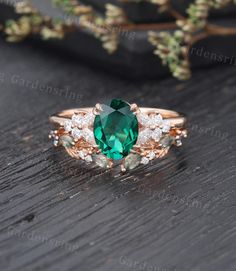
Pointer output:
66, 141
101, 160
116, 129
132, 161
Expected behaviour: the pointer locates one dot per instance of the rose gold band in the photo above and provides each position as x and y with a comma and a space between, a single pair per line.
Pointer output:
176, 119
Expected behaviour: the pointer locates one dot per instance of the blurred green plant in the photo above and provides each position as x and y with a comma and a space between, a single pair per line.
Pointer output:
171, 45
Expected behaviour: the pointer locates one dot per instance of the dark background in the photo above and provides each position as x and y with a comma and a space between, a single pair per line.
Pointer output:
177, 213
134, 57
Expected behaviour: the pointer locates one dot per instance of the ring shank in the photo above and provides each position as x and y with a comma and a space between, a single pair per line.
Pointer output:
176, 119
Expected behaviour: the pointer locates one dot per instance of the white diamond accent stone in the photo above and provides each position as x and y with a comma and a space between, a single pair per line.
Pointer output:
76, 133
156, 120
151, 155
144, 161
156, 134
166, 126
159, 120
77, 120
144, 119
152, 121
55, 143
67, 125
89, 119
144, 136
88, 135
178, 143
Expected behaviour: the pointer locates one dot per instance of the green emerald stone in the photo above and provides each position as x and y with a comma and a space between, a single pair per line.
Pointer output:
116, 129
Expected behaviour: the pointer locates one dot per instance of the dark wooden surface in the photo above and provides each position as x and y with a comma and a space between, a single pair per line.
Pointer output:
178, 213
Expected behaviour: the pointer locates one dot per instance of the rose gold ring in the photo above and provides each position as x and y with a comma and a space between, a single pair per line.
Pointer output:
118, 132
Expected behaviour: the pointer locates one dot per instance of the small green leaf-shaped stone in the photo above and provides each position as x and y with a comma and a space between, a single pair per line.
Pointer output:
116, 129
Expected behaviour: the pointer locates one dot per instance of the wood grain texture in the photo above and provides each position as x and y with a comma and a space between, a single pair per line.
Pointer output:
55, 214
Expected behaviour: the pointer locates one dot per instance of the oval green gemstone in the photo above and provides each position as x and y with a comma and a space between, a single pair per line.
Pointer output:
116, 129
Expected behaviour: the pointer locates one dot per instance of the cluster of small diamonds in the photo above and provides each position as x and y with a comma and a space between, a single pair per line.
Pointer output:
79, 127
84, 156
146, 159
154, 127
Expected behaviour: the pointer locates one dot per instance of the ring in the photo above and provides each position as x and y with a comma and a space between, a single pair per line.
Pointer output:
118, 132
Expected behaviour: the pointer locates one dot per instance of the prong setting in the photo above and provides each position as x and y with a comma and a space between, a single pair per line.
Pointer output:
97, 109
135, 109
